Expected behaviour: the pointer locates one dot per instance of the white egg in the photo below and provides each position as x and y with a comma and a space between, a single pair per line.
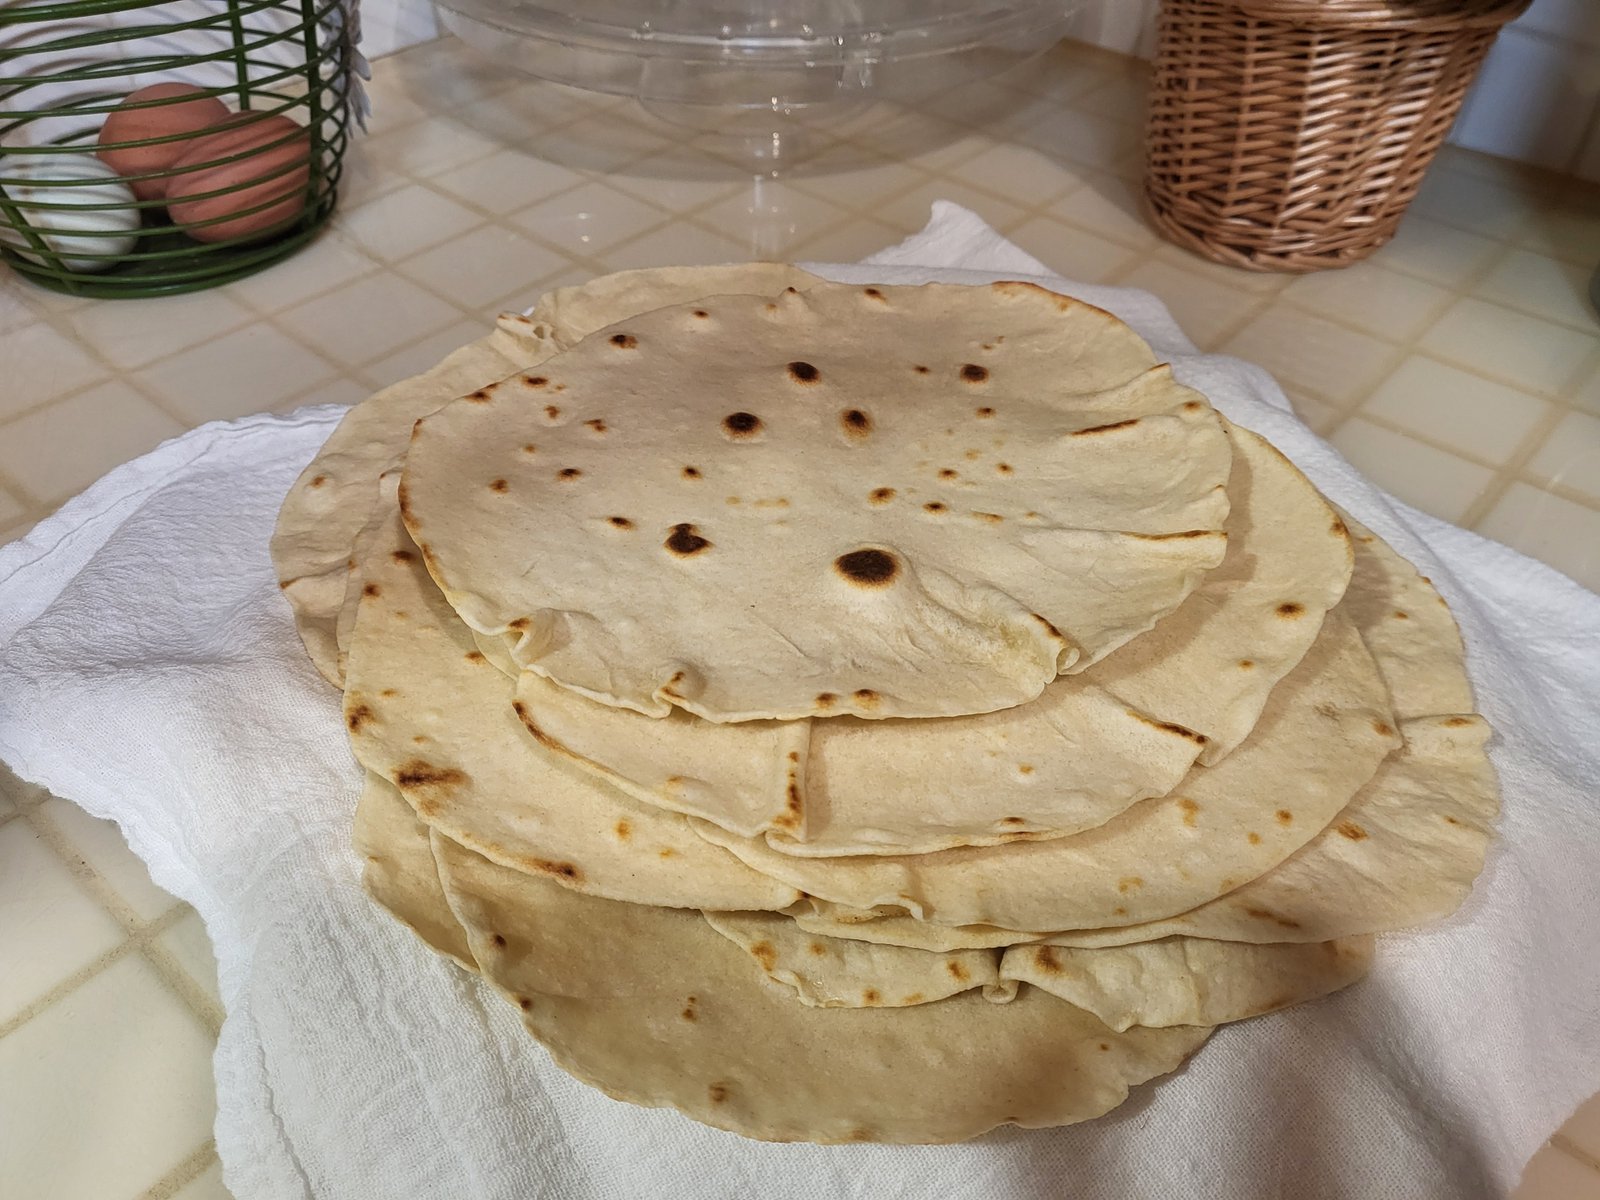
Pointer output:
88, 238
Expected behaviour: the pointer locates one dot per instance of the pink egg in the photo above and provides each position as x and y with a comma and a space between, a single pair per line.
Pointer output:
271, 175
185, 119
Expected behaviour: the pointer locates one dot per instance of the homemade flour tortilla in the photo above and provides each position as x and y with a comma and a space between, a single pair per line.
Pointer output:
919, 502
334, 496
1070, 760
428, 714
654, 1007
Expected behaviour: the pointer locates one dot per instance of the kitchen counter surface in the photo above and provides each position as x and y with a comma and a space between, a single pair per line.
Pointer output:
1459, 368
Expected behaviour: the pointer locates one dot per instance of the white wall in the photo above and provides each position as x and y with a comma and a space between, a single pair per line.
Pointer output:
1537, 100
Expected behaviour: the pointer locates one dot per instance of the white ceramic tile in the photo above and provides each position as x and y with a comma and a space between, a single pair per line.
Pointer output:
186, 940
1073, 253
1084, 139
421, 354
1435, 251
368, 318
329, 262
401, 223
1583, 1129
1570, 456
516, 116
476, 267
49, 925
847, 180
911, 210
680, 181
1555, 1175
101, 845
205, 1186
1122, 97
588, 220
108, 1089
1019, 174
1568, 230
57, 451
847, 243
1231, 278
1545, 287
132, 333
24, 795
605, 142
1109, 206
1465, 412
41, 365
341, 390
673, 245
1509, 345
506, 181
15, 310
1318, 414
1325, 359
1587, 394
1203, 311
769, 218
364, 176
1493, 208
242, 372
1561, 533
1381, 302
430, 147
1432, 480
1532, 100
12, 510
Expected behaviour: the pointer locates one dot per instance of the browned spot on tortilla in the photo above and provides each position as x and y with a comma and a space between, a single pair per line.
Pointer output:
1119, 911
551, 411
1190, 808
317, 481
874, 293
862, 1134
1339, 528
498, 940
948, 473
1024, 768
1004, 469
881, 495
388, 693
419, 739
935, 506
985, 413
1284, 816
992, 518
524, 1003
1263, 914
871, 997
793, 799
1459, 722
418, 773
741, 426
1105, 1045
1401, 616
1046, 959
1199, 739
688, 1010
1128, 424
804, 372
765, 954
718, 1092
1128, 882
596, 424
532, 726
914, 998
957, 971
920, 369
868, 567
1383, 728
701, 313
817, 948
357, 717
1246, 663
1182, 535
692, 473
481, 396
371, 589
535, 381
824, 700
530, 448
624, 830
624, 341
545, 866
668, 852
1352, 831
856, 423
867, 698
568, 474
621, 522
1048, 627
499, 485
1253, 838
476, 656
685, 540
1290, 609
1449, 820
973, 373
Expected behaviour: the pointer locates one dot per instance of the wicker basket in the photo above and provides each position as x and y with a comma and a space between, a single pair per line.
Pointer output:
1290, 135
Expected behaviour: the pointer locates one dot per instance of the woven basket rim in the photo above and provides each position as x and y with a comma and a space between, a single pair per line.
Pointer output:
1386, 15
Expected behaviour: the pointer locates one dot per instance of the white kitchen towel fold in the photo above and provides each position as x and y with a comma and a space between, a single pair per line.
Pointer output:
149, 670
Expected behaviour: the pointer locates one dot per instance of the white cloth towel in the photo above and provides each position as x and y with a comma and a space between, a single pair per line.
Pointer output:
149, 670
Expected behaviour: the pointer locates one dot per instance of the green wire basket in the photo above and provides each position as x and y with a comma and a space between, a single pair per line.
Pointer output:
65, 67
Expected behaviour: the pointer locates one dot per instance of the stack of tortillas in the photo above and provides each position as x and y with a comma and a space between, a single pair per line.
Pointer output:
872, 713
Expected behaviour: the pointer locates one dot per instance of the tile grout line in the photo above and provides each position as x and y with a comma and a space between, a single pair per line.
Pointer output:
1571, 1149
186, 1172
1507, 475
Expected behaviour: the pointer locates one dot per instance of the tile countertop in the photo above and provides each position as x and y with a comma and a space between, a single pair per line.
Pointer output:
1459, 368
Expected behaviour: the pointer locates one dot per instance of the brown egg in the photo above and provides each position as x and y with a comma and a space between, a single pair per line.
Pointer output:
184, 119
269, 172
